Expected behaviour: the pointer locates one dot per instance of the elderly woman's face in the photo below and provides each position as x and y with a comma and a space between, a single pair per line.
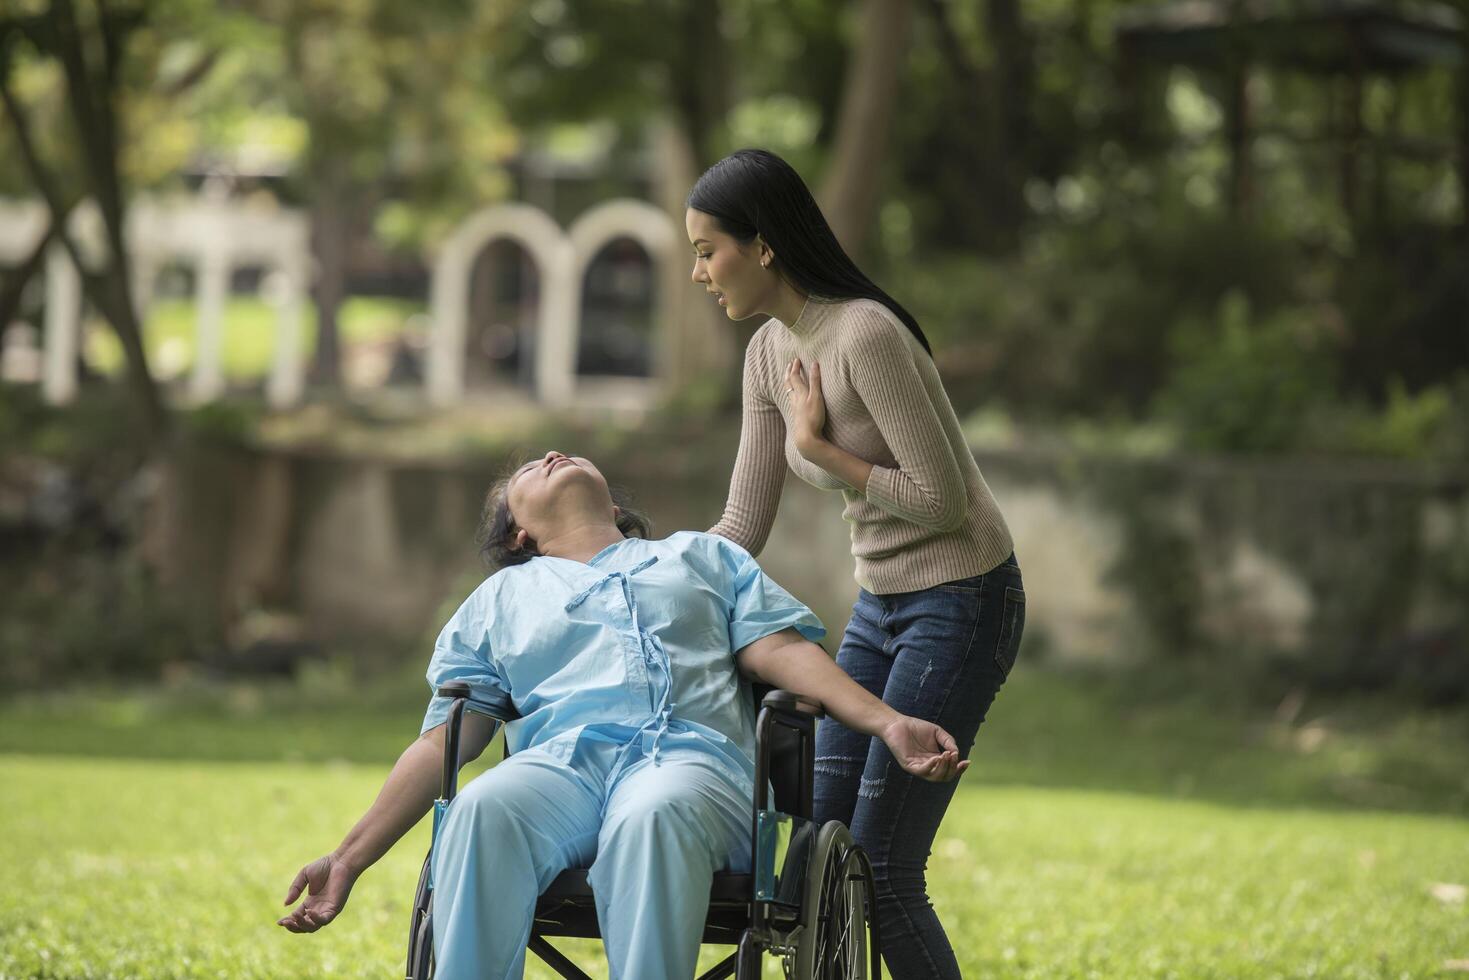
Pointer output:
555, 483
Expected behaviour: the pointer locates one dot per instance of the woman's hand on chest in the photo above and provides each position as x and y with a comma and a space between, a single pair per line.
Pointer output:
808, 406
808, 428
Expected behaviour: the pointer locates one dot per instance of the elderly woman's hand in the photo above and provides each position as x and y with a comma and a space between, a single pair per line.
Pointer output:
924, 749
330, 882
808, 406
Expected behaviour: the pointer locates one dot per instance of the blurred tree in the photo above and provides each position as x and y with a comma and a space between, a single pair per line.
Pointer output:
990, 101
90, 46
628, 61
395, 103
850, 195
701, 65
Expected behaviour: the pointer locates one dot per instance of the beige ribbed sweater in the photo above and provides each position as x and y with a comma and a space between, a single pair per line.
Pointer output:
927, 516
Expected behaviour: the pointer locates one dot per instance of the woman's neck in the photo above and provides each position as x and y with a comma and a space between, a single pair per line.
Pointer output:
580, 542
788, 304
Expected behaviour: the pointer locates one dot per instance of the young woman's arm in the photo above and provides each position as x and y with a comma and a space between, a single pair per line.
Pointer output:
406, 796
760, 468
786, 660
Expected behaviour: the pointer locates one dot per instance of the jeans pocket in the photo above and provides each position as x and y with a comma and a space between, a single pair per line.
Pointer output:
963, 586
1012, 624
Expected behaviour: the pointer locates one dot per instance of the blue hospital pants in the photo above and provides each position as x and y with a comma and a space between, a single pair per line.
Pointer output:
653, 836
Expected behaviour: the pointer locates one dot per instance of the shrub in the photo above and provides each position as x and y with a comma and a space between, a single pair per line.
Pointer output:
1247, 385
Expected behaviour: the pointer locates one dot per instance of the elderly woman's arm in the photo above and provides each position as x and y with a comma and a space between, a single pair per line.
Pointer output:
786, 660
406, 796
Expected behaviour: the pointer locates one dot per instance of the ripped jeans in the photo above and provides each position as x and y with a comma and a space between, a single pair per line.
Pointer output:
941, 654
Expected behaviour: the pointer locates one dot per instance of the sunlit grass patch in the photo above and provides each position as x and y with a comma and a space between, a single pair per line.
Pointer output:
166, 868
153, 834
249, 339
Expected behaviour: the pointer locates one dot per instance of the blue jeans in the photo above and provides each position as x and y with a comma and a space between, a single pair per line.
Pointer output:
941, 654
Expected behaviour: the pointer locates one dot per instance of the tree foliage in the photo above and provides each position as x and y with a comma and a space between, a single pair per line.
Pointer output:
1063, 216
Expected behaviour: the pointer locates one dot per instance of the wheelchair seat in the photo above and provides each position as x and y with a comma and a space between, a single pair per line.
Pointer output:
572, 886
823, 925
567, 908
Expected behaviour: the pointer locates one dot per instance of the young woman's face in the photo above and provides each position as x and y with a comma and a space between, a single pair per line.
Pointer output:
731, 271
554, 487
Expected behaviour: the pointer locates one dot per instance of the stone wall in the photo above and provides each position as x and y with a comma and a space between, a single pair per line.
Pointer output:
1121, 558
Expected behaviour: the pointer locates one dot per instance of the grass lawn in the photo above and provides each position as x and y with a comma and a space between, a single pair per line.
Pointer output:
1098, 835
248, 344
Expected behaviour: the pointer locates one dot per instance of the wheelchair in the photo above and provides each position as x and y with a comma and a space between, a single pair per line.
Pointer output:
810, 900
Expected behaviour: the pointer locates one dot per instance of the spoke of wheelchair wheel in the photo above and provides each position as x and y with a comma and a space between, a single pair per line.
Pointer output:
823, 926
849, 941
839, 914
845, 942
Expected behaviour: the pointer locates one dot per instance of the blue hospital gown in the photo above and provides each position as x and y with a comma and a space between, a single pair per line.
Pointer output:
631, 709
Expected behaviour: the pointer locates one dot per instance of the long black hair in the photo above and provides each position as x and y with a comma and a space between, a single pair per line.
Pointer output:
754, 192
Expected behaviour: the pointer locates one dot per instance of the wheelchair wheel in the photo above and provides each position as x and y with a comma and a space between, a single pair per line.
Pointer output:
420, 930
839, 915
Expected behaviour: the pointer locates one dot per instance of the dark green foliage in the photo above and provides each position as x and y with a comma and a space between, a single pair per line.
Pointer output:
1405, 304
223, 423
77, 598
1158, 563
85, 612
1245, 385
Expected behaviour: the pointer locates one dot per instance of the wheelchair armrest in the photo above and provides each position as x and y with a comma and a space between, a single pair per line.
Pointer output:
501, 711
795, 704
785, 739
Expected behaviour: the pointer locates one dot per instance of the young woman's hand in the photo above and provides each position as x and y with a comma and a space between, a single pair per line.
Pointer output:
808, 406
330, 882
924, 749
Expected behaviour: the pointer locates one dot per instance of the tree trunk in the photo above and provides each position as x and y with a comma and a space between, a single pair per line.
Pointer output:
15, 283
995, 100
701, 343
1463, 86
874, 77
330, 228
1237, 129
117, 305
91, 96
1015, 73
701, 79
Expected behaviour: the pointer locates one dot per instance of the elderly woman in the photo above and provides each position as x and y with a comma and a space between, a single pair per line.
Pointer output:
634, 752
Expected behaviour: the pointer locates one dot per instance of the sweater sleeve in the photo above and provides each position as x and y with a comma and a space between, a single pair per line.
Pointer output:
927, 486
759, 470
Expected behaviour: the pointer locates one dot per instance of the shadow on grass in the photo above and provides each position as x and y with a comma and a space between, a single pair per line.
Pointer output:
1168, 736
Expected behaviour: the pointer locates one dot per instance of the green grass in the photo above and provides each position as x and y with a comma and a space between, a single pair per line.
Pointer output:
1100, 834
249, 334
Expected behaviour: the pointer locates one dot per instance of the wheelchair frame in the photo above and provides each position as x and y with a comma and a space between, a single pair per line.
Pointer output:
836, 887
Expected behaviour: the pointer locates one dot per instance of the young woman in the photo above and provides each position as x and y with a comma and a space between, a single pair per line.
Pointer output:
840, 386
634, 752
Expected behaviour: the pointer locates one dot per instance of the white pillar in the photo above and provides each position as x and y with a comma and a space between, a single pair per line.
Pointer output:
63, 326
211, 289
287, 379
448, 300
558, 326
